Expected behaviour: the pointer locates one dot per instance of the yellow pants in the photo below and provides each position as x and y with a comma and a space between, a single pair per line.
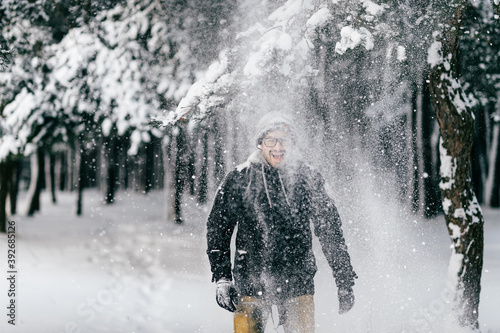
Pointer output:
252, 313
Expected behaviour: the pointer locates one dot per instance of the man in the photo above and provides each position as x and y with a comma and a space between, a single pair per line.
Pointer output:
272, 199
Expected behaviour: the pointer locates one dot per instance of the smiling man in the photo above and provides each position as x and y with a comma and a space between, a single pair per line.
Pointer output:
273, 147
272, 199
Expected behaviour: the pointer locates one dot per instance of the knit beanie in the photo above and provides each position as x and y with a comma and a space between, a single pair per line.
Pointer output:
273, 121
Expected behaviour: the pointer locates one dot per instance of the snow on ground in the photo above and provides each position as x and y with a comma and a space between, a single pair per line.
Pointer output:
122, 268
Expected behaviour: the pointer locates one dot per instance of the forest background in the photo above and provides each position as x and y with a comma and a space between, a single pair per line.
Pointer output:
161, 95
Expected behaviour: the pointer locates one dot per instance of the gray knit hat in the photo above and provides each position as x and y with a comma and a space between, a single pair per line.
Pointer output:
273, 121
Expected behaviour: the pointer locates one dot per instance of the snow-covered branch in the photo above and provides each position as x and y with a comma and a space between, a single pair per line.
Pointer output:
279, 47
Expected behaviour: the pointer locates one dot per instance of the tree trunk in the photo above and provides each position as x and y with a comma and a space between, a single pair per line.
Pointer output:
36, 184
126, 171
493, 183
191, 172
463, 215
52, 172
124, 157
110, 150
100, 158
167, 178
70, 174
415, 169
219, 147
5, 173
149, 165
140, 169
62, 170
80, 162
479, 154
429, 180
14, 185
181, 161
203, 179
159, 167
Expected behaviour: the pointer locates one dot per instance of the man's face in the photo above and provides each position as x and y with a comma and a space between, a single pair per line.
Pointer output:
274, 147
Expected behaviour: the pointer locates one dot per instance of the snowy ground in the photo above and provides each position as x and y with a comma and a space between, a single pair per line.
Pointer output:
121, 268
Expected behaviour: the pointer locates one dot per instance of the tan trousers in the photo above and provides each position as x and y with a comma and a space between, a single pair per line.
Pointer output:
252, 313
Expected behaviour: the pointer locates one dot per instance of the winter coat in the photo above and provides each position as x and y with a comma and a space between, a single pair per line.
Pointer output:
273, 210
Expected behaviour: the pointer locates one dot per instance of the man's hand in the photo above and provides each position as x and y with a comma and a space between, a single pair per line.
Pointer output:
226, 295
346, 300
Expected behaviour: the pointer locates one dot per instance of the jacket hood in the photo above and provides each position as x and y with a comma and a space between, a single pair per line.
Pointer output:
257, 157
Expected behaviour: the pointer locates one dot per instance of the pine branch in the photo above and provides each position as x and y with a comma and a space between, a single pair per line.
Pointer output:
5, 58
496, 8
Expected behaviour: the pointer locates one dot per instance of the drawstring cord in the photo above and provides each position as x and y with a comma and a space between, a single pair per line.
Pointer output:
284, 191
265, 186
267, 190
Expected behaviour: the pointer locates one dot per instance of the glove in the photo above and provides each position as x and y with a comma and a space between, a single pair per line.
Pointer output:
226, 295
346, 300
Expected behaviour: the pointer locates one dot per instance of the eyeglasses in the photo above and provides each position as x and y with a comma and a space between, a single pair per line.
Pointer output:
271, 142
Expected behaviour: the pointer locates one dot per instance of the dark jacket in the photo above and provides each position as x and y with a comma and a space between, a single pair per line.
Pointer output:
272, 210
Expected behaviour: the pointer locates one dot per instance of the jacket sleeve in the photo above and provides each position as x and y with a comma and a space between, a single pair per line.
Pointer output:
328, 228
220, 227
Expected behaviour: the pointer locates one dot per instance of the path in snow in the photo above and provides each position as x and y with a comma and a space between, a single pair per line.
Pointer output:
121, 268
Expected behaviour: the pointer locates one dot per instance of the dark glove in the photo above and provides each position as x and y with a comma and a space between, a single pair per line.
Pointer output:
226, 295
346, 300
